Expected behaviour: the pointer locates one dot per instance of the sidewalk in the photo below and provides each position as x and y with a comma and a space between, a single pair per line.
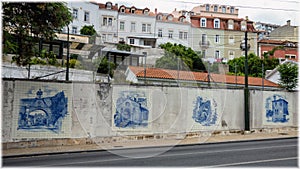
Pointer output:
148, 143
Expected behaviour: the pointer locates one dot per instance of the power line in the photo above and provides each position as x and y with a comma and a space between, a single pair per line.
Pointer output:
250, 7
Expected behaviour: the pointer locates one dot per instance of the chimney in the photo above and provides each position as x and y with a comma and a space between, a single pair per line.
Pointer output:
116, 5
288, 22
175, 9
247, 18
155, 10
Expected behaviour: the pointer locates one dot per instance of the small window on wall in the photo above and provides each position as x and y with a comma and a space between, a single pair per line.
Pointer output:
203, 22
231, 55
217, 54
216, 23
160, 33
131, 41
122, 26
86, 16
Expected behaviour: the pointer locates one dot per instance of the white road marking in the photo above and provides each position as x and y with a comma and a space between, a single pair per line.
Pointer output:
251, 162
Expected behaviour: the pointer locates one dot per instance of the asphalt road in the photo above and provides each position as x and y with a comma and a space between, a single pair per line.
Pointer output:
267, 153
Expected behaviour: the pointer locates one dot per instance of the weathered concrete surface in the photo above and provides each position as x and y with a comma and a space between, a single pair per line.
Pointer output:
92, 108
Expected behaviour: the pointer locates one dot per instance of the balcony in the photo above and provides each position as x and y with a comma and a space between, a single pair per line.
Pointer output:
204, 44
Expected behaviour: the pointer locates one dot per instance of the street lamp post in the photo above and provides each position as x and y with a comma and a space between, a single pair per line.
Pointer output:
245, 47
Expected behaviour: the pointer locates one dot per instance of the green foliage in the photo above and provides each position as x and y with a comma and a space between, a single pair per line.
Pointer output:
27, 21
88, 30
124, 47
103, 66
288, 76
179, 54
254, 65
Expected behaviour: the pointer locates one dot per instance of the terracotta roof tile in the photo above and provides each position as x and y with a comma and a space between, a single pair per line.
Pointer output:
198, 76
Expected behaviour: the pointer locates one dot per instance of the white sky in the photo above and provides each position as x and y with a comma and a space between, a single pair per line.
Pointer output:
267, 11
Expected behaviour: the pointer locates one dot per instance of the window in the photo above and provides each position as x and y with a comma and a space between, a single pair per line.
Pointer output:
217, 54
146, 28
132, 10
203, 39
217, 39
104, 37
107, 21
231, 39
122, 25
180, 35
230, 24
143, 27
207, 7
75, 13
231, 54
223, 9
149, 28
146, 12
122, 10
121, 39
203, 22
108, 5
74, 30
159, 17
185, 35
131, 41
170, 18
170, 34
204, 53
217, 23
86, 16
109, 37
290, 56
215, 8
159, 32
232, 10
132, 28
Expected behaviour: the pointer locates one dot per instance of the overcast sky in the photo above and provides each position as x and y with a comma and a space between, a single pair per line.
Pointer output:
267, 11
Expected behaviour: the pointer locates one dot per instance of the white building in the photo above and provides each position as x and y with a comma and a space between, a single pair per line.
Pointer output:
108, 18
172, 29
136, 27
84, 13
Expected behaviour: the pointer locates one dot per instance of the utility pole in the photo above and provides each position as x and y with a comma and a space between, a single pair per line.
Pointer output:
68, 58
246, 90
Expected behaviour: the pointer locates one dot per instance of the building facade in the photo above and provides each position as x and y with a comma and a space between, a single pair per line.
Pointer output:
285, 33
172, 29
220, 38
84, 13
282, 49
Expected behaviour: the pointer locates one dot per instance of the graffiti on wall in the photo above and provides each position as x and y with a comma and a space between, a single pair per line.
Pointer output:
43, 113
131, 110
277, 109
205, 111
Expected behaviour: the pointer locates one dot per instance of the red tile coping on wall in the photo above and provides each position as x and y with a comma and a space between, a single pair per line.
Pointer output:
198, 76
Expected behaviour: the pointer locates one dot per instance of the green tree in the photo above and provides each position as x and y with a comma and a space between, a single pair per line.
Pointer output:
88, 30
179, 54
124, 47
104, 66
25, 22
254, 65
288, 76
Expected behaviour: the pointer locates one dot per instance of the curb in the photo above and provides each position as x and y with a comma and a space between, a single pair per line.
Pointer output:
144, 147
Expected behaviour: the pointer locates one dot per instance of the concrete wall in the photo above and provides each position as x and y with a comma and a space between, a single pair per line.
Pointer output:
93, 111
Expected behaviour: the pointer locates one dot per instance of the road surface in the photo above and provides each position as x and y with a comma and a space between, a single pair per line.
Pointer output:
266, 153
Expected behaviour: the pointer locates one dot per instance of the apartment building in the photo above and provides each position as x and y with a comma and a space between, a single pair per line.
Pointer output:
172, 29
84, 13
108, 17
136, 26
